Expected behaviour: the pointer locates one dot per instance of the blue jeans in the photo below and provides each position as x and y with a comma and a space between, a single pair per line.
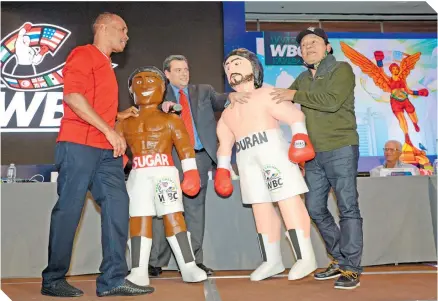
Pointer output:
337, 169
82, 168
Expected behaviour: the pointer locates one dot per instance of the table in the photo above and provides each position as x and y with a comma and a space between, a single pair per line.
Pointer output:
397, 226
396, 211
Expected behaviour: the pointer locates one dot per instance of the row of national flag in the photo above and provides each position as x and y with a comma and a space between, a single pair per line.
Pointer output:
51, 79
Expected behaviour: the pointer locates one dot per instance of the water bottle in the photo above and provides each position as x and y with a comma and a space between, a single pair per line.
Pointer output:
12, 173
435, 166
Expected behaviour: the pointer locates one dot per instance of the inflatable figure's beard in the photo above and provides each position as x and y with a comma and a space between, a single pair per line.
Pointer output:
237, 79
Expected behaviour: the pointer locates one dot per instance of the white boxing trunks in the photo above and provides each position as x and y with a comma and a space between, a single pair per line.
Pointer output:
154, 187
266, 174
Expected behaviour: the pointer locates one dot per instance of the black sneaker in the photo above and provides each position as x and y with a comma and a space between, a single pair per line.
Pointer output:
61, 289
207, 270
154, 271
349, 280
331, 272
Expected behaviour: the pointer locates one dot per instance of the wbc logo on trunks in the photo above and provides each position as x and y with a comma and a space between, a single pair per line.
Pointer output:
166, 191
273, 177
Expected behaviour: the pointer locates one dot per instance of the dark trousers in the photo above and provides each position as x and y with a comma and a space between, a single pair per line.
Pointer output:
82, 168
194, 215
337, 169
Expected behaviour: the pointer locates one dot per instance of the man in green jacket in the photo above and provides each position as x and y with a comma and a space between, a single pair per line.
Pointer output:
326, 94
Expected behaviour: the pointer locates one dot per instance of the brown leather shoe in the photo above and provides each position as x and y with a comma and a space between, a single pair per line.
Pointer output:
332, 271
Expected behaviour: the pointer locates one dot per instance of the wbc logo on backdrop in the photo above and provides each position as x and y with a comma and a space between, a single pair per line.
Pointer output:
29, 45
32, 100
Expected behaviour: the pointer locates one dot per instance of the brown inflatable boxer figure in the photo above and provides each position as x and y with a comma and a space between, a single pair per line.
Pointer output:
153, 184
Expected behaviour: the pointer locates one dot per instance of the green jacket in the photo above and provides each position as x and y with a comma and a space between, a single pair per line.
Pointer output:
328, 103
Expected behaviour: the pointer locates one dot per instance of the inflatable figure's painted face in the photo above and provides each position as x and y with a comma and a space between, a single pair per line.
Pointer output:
243, 66
147, 86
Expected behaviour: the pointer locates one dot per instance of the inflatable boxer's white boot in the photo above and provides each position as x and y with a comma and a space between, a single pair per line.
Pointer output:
272, 260
183, 252
140, 250
303, 250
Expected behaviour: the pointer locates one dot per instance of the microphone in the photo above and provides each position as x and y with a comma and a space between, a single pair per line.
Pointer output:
175, 108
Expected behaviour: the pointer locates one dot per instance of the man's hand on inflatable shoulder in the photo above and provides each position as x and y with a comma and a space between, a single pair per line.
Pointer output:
281, 94
130, 112
240, 97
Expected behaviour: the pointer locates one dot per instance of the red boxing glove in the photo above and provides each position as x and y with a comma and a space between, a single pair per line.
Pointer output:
222, 182
191, 183
301, 149
44, 49
423, 92
27, 26
379, 56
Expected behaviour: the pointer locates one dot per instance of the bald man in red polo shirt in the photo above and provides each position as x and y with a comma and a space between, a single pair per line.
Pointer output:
89, 157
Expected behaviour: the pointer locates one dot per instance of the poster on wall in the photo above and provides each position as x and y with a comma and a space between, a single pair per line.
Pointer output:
395, 102
386, 108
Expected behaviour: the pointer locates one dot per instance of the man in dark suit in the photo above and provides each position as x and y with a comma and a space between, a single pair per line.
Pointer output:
199, 104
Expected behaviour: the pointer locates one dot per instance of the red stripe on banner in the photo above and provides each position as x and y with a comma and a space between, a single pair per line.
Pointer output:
9, 41
11, 38
61, 33
34, 30
58, 78
25, 84
48, 43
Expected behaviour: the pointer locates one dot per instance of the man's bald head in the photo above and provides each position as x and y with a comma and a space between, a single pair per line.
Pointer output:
110, 33
104, 19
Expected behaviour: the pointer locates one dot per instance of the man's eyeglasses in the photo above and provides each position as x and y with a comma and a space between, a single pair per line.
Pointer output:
390, 150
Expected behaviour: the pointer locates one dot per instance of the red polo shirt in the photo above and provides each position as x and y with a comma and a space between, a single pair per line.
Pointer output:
88, 72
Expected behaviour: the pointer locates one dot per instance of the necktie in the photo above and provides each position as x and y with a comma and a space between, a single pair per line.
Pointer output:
186, 116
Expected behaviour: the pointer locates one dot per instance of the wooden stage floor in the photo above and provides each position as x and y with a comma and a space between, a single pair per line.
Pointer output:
384, 283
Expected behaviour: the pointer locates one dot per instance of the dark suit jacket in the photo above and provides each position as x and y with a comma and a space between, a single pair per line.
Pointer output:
204, 101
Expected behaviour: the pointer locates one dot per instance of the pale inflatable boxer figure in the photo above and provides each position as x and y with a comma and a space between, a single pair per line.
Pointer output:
269, 172
153, 184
